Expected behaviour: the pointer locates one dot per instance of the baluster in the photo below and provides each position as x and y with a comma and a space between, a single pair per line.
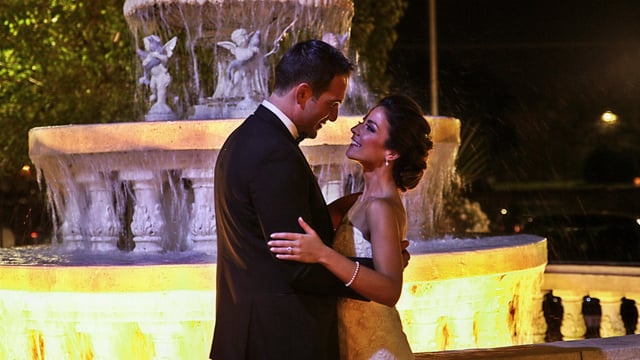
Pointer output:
636, 298
103, 225
538, 323
147, 225
70, 229
573, 326
202, 225
611, 323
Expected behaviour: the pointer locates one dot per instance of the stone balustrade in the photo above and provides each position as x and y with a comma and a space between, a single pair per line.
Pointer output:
148, 186
611, 285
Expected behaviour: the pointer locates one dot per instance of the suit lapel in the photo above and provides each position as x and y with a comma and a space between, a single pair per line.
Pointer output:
262, 113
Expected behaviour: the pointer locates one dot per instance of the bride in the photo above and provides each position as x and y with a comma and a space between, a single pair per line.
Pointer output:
391, 144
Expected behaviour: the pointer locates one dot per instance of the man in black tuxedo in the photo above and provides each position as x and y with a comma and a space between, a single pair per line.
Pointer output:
269, 308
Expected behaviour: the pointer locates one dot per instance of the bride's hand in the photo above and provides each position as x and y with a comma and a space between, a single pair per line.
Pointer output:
307, 247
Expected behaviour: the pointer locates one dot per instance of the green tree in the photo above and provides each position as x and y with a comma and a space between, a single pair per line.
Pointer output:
373, 35
61, 62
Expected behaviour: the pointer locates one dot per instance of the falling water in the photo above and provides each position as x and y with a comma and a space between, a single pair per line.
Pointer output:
147, 186
202, 87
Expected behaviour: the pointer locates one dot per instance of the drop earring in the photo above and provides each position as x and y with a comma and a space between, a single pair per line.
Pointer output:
386, 162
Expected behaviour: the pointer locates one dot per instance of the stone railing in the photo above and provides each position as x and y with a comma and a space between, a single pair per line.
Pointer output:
611, 285
150, 183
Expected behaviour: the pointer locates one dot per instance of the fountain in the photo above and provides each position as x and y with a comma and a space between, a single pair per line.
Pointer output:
236, 41
131, 273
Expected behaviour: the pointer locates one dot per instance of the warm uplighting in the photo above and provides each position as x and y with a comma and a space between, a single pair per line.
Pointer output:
114, 312
608, 117
636, 181
462, 300
481, 296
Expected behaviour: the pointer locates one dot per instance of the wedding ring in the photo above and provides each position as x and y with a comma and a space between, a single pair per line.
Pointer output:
290, 250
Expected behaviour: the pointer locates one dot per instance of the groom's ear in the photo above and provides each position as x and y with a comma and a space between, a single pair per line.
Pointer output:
303, 94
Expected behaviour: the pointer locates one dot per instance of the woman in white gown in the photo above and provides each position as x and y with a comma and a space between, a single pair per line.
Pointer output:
391, 144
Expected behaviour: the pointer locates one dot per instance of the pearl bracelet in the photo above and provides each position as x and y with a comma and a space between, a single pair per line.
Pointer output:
355, 273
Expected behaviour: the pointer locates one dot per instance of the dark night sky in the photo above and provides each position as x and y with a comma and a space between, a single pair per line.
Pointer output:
533, 75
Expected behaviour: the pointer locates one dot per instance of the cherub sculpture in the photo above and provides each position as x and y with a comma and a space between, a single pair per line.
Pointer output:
155, 75
242, 81
245, 47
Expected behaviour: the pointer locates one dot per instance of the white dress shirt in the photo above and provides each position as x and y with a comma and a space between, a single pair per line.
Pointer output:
284, 118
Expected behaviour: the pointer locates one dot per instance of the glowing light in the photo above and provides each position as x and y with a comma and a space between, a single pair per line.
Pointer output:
504, 211
116, 312
608, 117
25, 170
636, 181
480, 297
460, 300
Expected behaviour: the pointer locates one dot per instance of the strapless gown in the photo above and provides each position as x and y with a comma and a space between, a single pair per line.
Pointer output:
367, 330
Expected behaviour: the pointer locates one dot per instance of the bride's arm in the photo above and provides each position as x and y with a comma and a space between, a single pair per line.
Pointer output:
382, 285
386, 231
339, 208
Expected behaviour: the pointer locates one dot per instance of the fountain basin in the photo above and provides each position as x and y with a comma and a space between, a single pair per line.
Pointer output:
457, 294
473, 293
63, 307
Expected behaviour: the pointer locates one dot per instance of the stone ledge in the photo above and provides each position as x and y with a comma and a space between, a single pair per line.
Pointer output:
618, 348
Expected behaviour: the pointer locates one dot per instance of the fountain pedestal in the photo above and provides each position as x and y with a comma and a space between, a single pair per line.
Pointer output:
458, 294
109, 311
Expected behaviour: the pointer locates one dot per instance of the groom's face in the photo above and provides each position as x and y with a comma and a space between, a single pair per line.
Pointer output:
317, 111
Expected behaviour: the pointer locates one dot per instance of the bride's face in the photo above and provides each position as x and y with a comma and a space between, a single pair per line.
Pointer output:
368, 140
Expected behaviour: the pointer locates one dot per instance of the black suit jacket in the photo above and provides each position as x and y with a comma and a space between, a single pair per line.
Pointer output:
269, 308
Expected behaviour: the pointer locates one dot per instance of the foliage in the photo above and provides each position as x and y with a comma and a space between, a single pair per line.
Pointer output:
62, 62
373, 35
465, 216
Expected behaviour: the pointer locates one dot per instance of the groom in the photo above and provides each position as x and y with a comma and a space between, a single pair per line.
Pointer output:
269, 308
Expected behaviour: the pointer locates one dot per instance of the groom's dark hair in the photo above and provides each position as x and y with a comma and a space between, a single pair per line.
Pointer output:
313, 62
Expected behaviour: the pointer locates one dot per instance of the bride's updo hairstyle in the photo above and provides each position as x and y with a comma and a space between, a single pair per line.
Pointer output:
409, 137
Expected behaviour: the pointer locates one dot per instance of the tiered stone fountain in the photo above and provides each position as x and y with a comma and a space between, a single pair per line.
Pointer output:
131, 273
